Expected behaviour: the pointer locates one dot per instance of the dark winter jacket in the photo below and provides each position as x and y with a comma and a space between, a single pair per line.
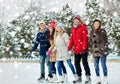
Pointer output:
42, 39
79, 39
99, 42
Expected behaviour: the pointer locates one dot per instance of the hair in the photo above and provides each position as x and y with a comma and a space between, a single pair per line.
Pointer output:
40, 24
51, 36
96, 20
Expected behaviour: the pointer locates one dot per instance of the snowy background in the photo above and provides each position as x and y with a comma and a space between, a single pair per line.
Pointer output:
19, 21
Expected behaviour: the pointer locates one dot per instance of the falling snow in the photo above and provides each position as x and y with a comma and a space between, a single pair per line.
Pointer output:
19, 20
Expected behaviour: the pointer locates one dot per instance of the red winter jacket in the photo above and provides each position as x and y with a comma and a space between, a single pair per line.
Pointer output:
79, 39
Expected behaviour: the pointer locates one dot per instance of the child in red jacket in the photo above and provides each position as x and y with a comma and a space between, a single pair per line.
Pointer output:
79, 43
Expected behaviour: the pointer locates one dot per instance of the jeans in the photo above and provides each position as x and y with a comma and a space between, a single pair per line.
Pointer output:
42, 64
53, 67
71, 66
84, 62
103, 63
61, 67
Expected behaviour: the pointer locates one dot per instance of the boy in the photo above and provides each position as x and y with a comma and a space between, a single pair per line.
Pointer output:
42, 39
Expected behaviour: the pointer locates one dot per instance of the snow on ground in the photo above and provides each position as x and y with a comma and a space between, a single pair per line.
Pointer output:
28, 73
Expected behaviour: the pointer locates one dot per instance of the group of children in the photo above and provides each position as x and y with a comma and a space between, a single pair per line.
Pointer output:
56, 48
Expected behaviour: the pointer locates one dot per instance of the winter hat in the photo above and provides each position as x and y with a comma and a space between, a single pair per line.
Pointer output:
77, 17
60, 25
52, 24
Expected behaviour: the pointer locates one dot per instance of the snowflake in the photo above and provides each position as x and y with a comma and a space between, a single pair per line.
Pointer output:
44, 7
115, 13
26, 45
101, 5
56, 2
26, 17
91, 10
22, 41
87, 22
28, 67
12, 33
11, 52
1, 1
15, 77
51, 3
16, 65
16, 14
18, 28
7, 49
81, 5
54, 9
1, 70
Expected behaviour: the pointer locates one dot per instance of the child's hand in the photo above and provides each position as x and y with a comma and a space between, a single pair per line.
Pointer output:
49, 52
70, 52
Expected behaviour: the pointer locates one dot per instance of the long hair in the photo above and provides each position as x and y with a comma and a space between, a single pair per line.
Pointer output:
51, 36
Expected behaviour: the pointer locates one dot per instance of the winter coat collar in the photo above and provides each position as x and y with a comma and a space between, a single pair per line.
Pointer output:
46, 29
80, 25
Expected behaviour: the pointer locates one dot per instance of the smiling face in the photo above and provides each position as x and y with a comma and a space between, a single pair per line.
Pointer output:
50, 29
42, 26
76, 21
96, 25
58, 29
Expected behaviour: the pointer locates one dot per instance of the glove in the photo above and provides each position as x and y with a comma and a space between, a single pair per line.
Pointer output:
70, 52
33, 54
49, 52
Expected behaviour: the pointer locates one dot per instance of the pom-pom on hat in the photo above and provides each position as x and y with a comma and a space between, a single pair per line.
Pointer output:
60, 25
52, 24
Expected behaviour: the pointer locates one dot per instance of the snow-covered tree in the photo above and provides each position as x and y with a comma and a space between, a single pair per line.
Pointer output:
26, 27
114, 33
95, 10
65, 16
111, 7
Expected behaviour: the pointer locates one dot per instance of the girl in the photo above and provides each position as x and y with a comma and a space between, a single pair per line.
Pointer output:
52, 53
61, 42
98, 39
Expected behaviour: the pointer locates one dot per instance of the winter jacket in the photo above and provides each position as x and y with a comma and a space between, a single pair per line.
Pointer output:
79, 39
53, 54
61, 43
99, 42
42, 39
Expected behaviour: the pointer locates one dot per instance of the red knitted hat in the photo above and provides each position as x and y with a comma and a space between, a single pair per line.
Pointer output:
52, 24
77, 17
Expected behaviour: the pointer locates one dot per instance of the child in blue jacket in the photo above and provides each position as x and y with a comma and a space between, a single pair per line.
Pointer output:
42, 39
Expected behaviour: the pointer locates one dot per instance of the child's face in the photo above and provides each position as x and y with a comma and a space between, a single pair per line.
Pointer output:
50, 29
96, 25
59, 29
42, 26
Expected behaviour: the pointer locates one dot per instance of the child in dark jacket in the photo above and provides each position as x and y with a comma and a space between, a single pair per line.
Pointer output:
99, 43
42, 39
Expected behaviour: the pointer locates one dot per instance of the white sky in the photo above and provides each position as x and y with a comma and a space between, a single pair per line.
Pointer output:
14, 8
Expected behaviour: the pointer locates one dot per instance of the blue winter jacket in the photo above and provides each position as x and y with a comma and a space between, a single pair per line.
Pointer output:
42, 39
